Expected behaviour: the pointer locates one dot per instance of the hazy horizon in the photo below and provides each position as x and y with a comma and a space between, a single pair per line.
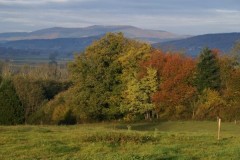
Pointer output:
189, 17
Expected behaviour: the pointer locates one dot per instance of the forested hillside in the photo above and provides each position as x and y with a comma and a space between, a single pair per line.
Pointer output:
193, 45
117, 78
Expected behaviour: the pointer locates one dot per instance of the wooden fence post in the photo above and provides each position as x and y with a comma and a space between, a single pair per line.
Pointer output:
219, 127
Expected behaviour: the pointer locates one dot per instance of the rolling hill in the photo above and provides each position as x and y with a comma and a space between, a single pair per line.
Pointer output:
193, 45
43, 48
63, 42
146, 35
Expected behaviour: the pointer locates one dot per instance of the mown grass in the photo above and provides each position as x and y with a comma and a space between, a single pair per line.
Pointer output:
114, 141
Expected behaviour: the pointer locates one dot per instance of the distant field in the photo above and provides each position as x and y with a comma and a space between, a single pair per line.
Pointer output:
113, 141
37, 61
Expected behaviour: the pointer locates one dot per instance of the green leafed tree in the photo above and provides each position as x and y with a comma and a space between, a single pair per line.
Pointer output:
99, 75
96, 77
11, 109
208, 71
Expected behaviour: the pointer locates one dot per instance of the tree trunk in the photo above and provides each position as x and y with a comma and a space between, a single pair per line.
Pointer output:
145, 115
193, 115
151, 115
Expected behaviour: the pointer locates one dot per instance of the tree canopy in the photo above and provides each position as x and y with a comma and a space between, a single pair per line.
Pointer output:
118, 78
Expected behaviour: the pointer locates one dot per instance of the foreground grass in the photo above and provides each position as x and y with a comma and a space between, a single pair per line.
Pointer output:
163, 140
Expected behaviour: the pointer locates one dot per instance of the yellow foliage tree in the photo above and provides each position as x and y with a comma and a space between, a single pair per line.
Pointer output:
210, 105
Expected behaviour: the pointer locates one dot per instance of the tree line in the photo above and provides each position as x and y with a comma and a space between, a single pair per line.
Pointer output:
119, 78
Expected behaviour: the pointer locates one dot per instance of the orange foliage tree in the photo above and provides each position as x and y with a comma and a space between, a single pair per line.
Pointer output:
176, 91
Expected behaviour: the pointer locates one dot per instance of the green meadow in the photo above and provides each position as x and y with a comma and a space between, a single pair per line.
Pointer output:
113, 141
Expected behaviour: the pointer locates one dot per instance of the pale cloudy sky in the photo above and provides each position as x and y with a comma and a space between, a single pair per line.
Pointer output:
178, 16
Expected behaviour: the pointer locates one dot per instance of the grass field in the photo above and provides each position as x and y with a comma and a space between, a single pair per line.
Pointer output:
113, 141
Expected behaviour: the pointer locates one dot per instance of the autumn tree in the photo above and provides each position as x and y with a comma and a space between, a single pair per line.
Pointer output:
210, 105
30, 94
175, 92
227, 66
134, 98
138, 95
98, 75
235, 52
231, 94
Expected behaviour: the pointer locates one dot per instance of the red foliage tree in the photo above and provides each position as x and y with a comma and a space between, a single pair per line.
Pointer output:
175, 72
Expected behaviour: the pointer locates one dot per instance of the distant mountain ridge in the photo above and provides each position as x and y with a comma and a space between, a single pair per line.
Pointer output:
63, 48
63, 42
59, 44
193, 45
146, 35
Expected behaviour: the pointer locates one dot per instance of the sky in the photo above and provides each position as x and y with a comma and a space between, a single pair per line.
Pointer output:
188, 17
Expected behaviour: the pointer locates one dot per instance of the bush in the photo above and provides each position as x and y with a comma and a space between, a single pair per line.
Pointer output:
119, 138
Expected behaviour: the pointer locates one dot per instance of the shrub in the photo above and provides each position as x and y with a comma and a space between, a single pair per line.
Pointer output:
119, 138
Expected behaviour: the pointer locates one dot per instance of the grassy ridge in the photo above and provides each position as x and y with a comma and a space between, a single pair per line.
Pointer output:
165, 140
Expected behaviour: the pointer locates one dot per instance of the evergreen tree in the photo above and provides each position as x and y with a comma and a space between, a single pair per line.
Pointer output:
208, 71
11, 110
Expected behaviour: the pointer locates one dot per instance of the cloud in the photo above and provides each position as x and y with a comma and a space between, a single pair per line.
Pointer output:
227, 11
37, 2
